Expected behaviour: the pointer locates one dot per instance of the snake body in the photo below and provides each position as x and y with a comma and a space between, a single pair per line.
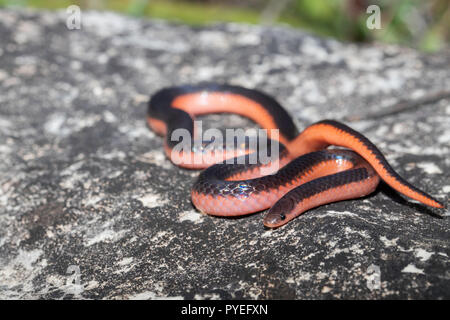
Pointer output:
310, 174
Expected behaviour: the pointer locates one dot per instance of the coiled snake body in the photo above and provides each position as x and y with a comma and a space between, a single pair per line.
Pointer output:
309, 176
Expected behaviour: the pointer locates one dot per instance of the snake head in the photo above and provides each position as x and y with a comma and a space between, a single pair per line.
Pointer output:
274, 221
279, 214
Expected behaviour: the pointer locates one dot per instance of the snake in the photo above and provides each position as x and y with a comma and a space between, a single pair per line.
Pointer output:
307, 173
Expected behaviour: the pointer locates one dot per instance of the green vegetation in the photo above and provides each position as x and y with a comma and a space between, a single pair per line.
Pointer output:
421, 24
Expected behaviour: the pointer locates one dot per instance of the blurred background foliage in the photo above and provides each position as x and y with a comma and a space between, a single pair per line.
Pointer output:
422, 24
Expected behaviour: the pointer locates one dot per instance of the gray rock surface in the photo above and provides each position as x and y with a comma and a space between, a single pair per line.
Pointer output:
85, 183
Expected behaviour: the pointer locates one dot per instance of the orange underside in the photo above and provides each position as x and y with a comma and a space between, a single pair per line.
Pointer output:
320, 136
345, 192
213, 102
241, 205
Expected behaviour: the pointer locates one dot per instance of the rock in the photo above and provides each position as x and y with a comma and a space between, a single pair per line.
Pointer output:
91, 208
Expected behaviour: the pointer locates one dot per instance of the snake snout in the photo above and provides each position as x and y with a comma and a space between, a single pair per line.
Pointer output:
275, 217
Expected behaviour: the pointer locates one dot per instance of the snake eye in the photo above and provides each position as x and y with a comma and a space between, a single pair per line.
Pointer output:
282, 216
